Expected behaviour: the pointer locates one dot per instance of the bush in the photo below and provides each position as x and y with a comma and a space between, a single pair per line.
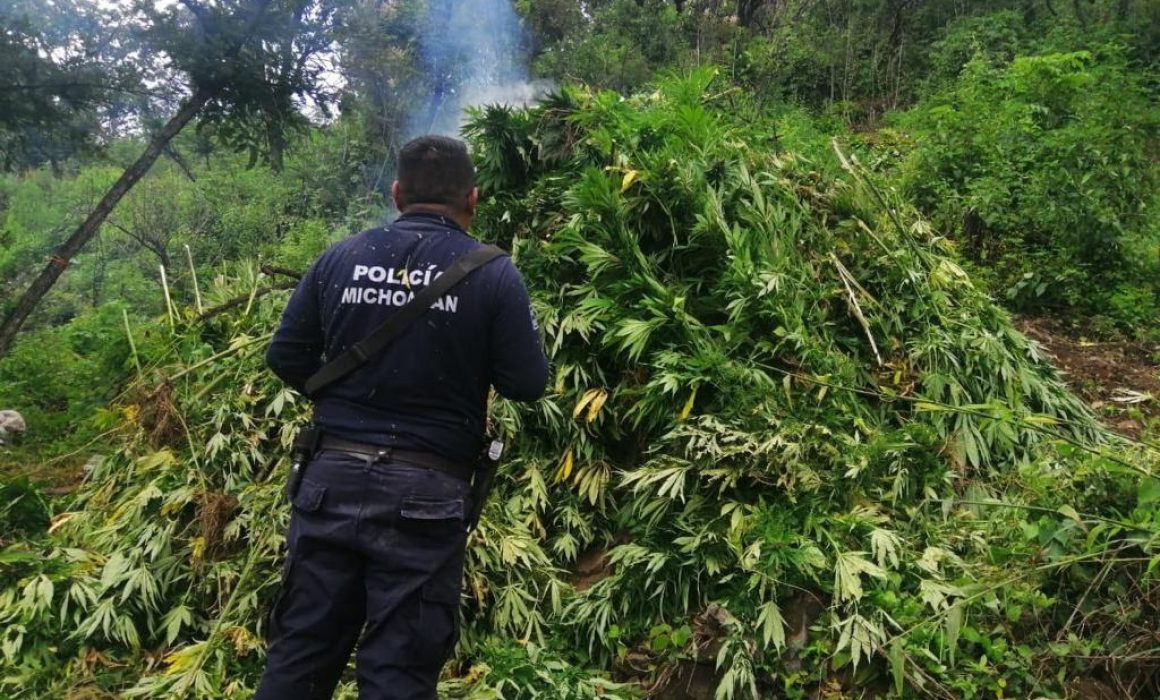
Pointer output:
621, 46
1041, 169
24, 512
304, 241
995, 37
58, 377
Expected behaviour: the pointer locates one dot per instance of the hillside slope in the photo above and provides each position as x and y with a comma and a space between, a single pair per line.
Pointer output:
789, 443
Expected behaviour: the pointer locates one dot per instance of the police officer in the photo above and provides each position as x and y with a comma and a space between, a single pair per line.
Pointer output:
377, 536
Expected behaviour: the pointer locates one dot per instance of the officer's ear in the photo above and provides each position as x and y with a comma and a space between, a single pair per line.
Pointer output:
472, 200
397, 195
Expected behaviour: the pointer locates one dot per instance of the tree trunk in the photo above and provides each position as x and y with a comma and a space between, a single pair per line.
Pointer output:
747, 11
276, 144
1080, 13
85, 232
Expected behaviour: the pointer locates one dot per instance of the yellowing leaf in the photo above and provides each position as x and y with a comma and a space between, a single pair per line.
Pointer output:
596, 404
565, 469
60, 520
197, 549
629, 177
688, 408
243, 641
586, 399
885, 545
155, 460
183, 659
848, 570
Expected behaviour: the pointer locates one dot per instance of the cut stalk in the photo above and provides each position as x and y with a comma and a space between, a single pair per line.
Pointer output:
132, 345
855, 308
168, 300
234, 347
253, 294
193, 276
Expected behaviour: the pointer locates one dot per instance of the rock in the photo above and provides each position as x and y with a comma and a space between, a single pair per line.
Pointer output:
11, 425
1091, 689
593, 566
12, 422
690, 680
800, 613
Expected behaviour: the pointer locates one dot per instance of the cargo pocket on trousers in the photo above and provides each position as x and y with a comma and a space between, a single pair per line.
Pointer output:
431, 515
437, 625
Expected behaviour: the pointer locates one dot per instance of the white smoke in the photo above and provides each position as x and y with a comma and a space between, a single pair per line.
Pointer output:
476, 52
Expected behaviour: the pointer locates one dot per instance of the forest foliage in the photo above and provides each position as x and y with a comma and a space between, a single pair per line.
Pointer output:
794, 440
808, 406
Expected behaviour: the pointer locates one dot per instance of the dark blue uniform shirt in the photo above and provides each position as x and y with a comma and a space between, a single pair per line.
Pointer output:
428, 390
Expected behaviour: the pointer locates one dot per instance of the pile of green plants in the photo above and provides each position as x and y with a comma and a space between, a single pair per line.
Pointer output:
790, 447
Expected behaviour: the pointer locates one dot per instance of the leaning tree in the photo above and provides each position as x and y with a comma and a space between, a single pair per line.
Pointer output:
245, 65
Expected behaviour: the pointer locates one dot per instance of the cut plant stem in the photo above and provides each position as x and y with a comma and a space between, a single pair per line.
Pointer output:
168, 301
224, 353
132, 345
855, 309
193, 276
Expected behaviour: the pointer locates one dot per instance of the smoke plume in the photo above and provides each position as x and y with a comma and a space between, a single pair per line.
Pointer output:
476, 53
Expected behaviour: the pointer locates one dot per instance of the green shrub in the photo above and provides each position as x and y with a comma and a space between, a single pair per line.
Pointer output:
303, 242
621, 46
1041, 169
1135, 308
996, 37
24, 511
57, 377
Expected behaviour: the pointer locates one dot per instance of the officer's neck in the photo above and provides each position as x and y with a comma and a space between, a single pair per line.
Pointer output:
460, 217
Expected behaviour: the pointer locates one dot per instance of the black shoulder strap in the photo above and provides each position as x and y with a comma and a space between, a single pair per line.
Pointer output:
358, 354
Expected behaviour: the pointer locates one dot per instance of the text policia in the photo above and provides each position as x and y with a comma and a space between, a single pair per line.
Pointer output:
404, 282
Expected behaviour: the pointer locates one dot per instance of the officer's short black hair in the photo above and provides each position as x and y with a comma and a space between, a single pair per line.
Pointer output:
435, 170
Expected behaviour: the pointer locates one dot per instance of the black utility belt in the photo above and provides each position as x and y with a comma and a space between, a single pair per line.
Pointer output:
383, 455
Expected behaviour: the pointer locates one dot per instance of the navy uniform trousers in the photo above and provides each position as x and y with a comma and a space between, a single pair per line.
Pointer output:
375, 560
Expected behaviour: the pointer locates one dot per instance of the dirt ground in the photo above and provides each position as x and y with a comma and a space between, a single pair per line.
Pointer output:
1120, 379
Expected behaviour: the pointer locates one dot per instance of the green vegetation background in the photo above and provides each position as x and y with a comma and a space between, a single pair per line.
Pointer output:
1019, 142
